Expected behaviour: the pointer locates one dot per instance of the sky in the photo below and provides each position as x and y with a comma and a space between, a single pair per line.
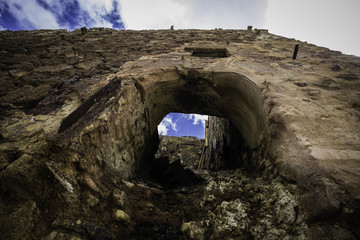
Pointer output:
180, 124
328, 23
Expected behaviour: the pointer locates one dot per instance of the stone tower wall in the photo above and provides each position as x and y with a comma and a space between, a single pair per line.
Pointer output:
78, 114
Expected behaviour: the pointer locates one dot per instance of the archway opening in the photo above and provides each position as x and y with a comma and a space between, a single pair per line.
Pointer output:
190, 144
235, 102
132, 120
181, 146
182, 138
136, 106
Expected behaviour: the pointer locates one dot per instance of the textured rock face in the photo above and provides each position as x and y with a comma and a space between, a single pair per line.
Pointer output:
226, 148
79, 115
187, 150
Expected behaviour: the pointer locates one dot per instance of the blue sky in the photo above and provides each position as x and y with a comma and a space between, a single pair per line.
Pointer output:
329, 23
55, 14
180, 124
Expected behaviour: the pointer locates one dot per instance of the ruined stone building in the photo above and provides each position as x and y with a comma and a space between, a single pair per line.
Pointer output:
78, 137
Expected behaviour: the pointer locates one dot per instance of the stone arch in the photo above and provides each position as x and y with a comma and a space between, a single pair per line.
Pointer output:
128, 110
224, 94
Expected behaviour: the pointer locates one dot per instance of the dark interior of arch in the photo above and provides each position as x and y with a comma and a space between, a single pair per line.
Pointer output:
222, 94
177, 158
235, 101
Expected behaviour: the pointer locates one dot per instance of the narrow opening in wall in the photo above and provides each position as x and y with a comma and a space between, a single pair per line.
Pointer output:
210, 51
182, 138
180, 153
182, 141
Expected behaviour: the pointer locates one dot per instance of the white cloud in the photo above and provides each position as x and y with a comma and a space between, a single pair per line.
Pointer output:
31, 15
151, 14
328, 23
203, 14
166, 125
197, 118
96, 10
91, 13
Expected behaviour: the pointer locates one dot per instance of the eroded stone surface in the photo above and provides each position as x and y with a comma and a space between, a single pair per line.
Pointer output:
187, 150
107, 90
225, 146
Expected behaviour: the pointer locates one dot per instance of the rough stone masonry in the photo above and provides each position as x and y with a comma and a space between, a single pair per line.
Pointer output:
79, 114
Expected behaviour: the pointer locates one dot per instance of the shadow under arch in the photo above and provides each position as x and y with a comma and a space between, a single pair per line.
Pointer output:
117, 126
222, 94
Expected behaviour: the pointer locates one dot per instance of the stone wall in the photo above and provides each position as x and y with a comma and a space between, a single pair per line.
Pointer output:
187, 150
79, 115
226, 149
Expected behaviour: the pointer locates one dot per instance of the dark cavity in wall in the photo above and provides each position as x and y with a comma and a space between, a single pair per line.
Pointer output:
214, 52
178, 158
225, 148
